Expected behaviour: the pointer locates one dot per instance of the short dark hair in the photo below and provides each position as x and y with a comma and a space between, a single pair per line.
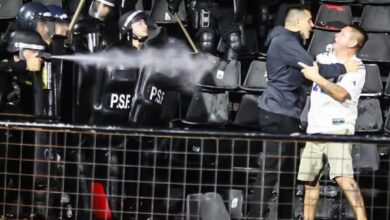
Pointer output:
364, 37
283, 9
293, 10
298, 7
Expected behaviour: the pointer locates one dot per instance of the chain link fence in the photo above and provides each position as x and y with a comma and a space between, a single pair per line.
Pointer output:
56, 171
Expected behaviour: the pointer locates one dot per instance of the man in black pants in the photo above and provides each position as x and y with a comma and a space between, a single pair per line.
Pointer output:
280, 109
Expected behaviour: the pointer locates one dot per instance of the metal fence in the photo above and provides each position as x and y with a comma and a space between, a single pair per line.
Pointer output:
56, 171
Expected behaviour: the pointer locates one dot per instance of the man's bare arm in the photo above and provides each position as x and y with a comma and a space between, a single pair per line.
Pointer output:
335, 91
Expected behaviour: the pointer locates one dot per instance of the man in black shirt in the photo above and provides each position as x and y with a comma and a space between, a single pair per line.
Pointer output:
280, 107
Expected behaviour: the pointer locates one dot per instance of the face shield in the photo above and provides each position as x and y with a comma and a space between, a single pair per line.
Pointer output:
61, 28
22, 49
45, 28
101, 9
25, 53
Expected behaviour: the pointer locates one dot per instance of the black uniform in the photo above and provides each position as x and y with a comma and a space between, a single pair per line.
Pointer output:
214, 19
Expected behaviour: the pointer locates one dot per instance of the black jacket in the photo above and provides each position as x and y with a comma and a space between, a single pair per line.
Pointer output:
286, 90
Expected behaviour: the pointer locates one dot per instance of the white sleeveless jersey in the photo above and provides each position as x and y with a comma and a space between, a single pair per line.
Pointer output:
327, 114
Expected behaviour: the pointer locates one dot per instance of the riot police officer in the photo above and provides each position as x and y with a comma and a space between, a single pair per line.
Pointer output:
138, 31
25, 85
36, 17
99, 20
62, 69
26, 45
133, 28
60, 18
212, 19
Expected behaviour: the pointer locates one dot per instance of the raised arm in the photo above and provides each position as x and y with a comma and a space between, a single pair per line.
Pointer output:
294, 53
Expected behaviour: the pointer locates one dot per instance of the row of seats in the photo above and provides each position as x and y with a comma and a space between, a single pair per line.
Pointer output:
228, 77
212, 106
374, 20
376, 49
333, 17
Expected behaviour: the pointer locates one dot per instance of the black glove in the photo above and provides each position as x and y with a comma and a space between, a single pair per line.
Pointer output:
173, 6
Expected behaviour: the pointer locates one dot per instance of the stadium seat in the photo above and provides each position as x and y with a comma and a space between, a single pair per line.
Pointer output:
226, 76
247, 115
255, 80
373, 82
9, 9
333, 17
328, 207
376, 49
369, 116
206, 206
208, 108
365, 157
144, 6
321, 42
50, 2
375, 18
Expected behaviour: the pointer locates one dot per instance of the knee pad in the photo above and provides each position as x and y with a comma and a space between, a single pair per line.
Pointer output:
234, 41
207, 41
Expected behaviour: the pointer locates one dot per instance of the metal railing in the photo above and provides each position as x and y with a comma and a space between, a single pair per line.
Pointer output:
57, 171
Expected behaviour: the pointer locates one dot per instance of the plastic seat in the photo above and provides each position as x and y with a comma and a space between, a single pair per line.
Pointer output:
369, 116
328, 208
255, 79
9, 9
321, 42
365, 157
50, 2
161, 15
375, 18
333, 17
247, 115
376, 49
373, 82
226, 76
144, 6
206, 206
208, 108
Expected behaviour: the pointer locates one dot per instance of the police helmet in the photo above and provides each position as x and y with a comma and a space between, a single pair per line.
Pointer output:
110, 3
87, 26
128, 18
30, 13
58, 13
25, 39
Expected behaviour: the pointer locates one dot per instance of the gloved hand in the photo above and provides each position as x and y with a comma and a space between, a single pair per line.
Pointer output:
173, 6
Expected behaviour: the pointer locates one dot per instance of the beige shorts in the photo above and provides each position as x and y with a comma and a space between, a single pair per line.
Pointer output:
338, 156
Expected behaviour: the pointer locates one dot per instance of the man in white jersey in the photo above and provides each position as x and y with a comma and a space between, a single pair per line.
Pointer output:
333, 110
